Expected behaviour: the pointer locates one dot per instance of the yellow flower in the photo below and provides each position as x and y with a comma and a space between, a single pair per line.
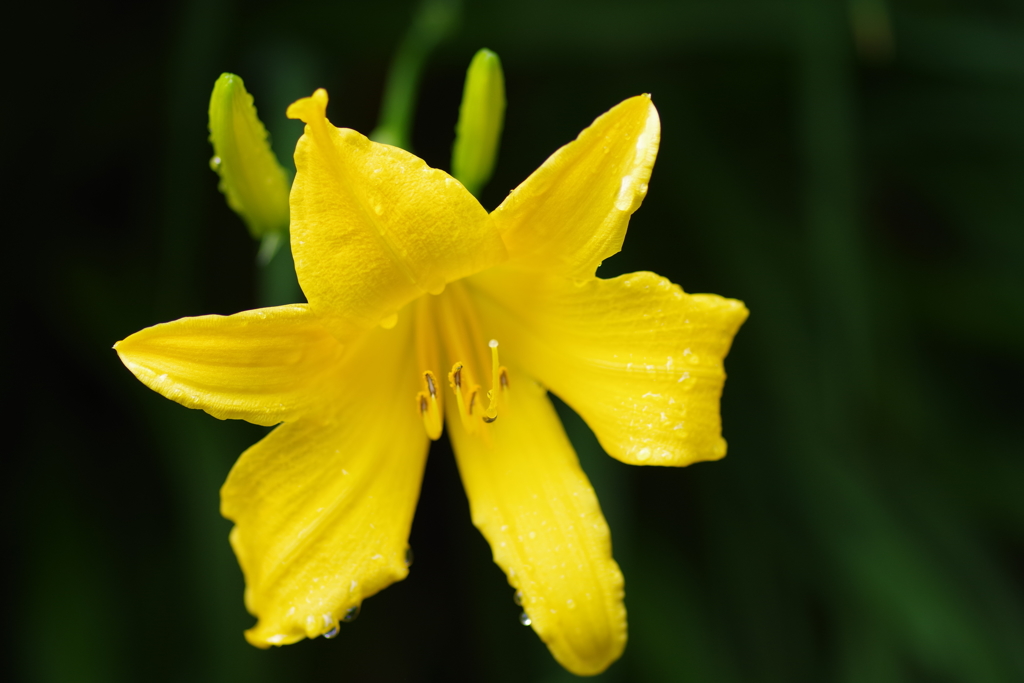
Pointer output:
414, 291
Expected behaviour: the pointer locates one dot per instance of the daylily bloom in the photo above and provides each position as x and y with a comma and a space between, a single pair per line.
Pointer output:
414, 292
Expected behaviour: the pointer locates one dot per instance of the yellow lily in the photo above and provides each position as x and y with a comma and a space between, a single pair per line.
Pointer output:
411, 285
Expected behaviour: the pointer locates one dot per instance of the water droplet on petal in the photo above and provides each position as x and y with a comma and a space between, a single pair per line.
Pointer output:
525, 619
215, 163
518, 598
332, 633
408, 556
351, 614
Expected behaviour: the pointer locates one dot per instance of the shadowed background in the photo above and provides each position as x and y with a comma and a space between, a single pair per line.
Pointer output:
853, 171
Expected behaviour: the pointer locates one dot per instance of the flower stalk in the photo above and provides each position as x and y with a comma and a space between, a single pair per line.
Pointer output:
434, 22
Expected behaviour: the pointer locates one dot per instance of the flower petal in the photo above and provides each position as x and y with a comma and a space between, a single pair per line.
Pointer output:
572, 212
533, 503
322, 507
373, 227
639, 359
262, 366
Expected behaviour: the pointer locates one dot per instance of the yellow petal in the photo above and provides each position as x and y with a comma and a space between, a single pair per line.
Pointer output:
533, 503
373, 226
572, 212
639, 359
263, 366
322, 507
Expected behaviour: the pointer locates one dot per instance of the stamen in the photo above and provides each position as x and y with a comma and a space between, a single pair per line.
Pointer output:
466, 415
429, 410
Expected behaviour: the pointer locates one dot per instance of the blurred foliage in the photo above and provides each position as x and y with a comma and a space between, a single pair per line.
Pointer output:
854, 171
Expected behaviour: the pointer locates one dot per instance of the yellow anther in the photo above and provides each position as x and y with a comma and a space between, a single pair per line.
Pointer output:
429, 409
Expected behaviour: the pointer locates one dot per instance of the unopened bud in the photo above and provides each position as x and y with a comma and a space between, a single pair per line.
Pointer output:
251, 178
481, 117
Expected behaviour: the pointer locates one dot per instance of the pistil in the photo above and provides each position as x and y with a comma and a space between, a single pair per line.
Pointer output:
499, 380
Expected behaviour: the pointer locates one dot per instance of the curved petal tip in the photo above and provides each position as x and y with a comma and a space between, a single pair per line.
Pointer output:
309, 109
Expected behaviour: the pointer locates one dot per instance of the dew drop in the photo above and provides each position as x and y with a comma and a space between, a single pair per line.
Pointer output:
408, 556
643, 454
215, 163
525, 619
378, 209
351, 614
518, 598
332, 633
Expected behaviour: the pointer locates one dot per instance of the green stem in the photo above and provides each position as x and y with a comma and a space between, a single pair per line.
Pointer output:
277, 284
435, 21
291, 75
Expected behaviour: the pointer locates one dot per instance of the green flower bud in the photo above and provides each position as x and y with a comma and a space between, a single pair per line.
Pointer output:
251, 178
481, 117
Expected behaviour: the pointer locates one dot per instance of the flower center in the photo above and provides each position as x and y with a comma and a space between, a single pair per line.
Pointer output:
448, 330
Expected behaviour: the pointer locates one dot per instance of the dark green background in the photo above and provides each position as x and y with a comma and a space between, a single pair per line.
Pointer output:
854, 171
